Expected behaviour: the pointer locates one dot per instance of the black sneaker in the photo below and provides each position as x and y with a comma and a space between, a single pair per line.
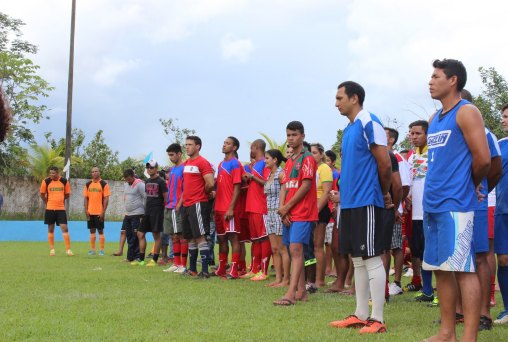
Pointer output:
203, 275
485, 323
311, 288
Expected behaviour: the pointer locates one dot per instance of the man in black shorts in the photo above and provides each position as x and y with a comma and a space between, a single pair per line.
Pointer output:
134, 200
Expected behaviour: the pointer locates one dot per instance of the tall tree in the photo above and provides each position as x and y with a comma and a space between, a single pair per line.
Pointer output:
175, 133
41, 158
98, 153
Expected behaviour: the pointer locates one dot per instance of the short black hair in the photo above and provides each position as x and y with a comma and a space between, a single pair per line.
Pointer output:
296, 126
424, 124
453, 67
505, 107
352, 88
235, 142
128, 173
393, 133
466, 95
276, 154
175, 148
196, 139
332, 155
54, 168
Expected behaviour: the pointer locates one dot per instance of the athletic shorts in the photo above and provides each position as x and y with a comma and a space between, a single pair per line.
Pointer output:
325, 215
153, 220
95, 222
492, 211
361, 231
172, 221
196, 220
417, 239
501, 234
481, 231
257, 226
273, 223
388, 225
55, 216
131, 222
224, 226
449, 241
297, 232
244, 235
397, 236
329, 233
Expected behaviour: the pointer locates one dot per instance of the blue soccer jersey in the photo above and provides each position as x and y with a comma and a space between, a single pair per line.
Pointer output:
449, 183
359, 177
502, 186
494, 152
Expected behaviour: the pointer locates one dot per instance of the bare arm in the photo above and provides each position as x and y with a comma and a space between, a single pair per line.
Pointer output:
384, 168
495, 172
299, 195
44, 198
396, 190
323, 200
209, 182
236, 193
470, 121
85, 202
256, 179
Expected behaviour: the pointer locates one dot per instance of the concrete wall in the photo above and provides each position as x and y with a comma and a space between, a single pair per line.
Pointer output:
21, 195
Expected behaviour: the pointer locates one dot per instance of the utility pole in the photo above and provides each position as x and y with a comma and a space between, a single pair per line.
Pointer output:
68, 131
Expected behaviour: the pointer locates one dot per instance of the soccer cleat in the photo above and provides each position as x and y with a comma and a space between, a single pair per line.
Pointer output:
69, 253
52, 252
203, 275
351, 321
502, 318
189, 273
231, 276
394, 289
422, 297
260, 277
248, 275
101, 252
373, 327
412, 287
138, 262
435, 303
485, 323
170, 269
181, 270
311, 288
151, 263
91, 252
219, 273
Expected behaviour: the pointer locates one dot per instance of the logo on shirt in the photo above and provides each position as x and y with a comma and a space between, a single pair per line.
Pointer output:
292, 184
438, 139
191, 169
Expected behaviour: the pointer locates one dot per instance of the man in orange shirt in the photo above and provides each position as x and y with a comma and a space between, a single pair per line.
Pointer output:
96, 193
54, 190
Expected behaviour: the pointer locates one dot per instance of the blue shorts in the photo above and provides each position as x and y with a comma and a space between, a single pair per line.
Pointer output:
449, 242
481, 231
298, 232
501, 234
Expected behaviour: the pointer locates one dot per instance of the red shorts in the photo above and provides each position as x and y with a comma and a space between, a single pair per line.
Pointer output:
490, 218
244, 230
257, 226
222, 226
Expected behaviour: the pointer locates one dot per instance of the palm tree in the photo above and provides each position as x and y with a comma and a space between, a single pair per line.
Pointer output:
41, 158
274, 145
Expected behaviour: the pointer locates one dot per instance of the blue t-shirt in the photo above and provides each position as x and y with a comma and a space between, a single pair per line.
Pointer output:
359, 178
502, 186
494, 152
449, 183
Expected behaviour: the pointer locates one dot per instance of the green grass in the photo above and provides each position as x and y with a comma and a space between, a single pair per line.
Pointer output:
84, 298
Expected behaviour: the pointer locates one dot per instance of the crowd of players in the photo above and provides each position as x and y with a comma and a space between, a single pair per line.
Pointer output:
438, 197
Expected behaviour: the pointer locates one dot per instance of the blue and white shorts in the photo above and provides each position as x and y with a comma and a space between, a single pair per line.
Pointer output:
449, 242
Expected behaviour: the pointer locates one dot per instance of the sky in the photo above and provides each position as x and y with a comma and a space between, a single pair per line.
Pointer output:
239, 67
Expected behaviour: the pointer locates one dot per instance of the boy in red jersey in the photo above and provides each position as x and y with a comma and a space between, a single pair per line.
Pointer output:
298, 209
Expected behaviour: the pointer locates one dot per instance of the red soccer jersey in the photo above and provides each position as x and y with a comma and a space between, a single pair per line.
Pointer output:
193, 181
296, 170
256, 198
229, 173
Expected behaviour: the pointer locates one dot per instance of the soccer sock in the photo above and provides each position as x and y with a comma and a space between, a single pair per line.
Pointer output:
256, 256
427, 282
223, 260
376, 278
234, 264
502, 278
361, 289
184, 249
266, 252
176, 252
67, 240
204, 252
102, 240
416, 280
155, 257
51, 240
92, 241
193, 256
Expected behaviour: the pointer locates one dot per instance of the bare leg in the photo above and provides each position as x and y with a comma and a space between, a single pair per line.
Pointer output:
447, 291
319, 252
398, 263
297, 279
277, 259
470, 288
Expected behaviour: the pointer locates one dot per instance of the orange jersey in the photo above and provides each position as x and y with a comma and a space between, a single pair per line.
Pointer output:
56, 191
95, 194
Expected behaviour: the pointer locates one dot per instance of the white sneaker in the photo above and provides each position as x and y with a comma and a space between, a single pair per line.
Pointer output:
170, 268
181, 270
394, 289
409, 273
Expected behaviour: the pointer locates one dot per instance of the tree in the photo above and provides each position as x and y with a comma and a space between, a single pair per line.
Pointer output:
23, 89
175, 133
273, 145
97, 153
493, 97
41, 158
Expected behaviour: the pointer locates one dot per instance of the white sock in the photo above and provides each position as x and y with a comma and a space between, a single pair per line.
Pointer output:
361, 288
377, 283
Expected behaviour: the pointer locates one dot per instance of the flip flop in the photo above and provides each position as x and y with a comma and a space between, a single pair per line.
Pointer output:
284, 302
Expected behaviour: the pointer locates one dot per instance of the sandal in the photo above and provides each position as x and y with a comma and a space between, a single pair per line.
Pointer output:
284, 302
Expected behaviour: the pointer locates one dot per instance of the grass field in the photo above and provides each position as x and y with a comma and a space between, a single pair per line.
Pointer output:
84, 298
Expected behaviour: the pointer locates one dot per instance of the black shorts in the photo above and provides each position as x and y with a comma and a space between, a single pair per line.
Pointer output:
131, 222
417, 240
153, 220
388, 223
196, 220
361, 231
55, 216
325, 215
95, 222
308, 250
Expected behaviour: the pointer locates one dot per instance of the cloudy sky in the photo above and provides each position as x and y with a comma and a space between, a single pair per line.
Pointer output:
238, 67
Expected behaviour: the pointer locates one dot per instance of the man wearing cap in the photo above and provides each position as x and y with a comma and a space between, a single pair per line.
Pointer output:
156, 192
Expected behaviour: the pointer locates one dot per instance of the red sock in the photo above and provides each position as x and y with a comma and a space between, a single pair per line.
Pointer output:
417, 280
234, 265
184, 249
256, 257
177, 251
223, 261
266, 253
